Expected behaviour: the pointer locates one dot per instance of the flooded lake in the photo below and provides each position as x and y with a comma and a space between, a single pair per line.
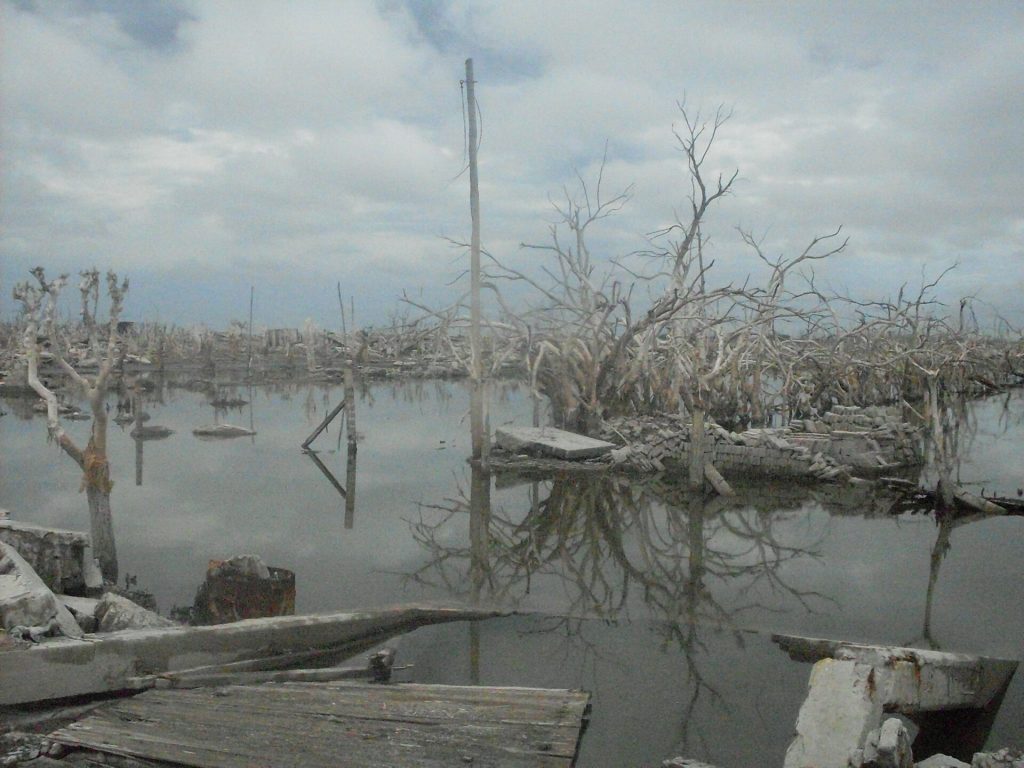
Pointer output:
660, 603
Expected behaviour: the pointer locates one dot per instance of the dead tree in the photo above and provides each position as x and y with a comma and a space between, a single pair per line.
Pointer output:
39, 303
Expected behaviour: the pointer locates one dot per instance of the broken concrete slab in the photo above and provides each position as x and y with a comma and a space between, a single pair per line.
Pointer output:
116, 612
841, 708
912, 680
83, 609
61, 558
920, 683
128, 659
27, 605
549, 441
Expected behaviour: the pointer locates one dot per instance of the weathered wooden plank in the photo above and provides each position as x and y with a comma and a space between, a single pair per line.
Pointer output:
350, 742
119, 660
357, 699
548, 441
407, 702
333, 724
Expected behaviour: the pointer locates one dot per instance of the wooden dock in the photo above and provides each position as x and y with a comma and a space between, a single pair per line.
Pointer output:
361, 725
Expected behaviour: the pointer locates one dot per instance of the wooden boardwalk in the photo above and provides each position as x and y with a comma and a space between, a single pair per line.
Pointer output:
334, 724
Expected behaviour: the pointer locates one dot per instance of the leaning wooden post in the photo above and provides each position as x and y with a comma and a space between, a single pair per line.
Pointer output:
476, 420
323, 425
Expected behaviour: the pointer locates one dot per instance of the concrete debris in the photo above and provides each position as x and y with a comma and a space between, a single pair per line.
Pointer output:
28, 608
941, 761
62, 559
862, 437
835, 719
852, 684
1004, 758
911, 680
656, 443
888, 747
549, 441
621, 455
83, 609
115, 612
681, 762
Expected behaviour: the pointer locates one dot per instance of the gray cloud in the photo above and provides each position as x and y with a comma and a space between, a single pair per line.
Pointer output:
212, 145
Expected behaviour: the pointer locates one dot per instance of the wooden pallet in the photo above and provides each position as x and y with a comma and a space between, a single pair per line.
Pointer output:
333, 724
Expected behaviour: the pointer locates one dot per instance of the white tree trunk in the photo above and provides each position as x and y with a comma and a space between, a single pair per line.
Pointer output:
697, 449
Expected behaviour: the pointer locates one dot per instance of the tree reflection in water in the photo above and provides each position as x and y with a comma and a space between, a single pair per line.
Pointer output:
694, 561
605, 536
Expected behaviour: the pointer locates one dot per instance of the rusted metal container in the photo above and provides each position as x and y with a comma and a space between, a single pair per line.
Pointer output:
243, 588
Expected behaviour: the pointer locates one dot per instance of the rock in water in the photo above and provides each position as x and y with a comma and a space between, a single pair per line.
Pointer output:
222, 431
27, 606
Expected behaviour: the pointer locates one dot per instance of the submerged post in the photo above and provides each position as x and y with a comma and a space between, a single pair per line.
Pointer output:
350, 405
350, 484
137, 405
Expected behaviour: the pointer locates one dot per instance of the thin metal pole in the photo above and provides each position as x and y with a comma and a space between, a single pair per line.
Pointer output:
476, 374
341, 306
252, 297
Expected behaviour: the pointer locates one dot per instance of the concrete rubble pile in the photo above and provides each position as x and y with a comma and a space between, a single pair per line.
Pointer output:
890, 748
62, 559
28, 609
874, 438
50, 587
846, 440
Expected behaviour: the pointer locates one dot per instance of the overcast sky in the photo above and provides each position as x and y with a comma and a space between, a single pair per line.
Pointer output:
203, 147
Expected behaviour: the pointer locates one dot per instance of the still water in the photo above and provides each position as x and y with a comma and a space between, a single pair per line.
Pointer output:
671, 599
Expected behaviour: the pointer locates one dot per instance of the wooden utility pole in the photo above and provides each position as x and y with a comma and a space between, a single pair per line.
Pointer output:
476, 418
